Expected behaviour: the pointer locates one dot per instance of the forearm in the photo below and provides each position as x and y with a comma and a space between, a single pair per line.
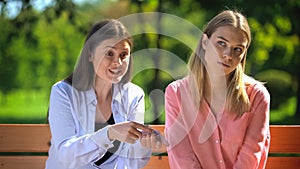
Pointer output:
134, 156
254, 150
80, 151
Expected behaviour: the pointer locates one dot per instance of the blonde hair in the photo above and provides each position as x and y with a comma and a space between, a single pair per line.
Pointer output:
237, 100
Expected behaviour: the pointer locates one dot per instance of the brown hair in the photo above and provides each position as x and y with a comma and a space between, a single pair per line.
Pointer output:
83, 76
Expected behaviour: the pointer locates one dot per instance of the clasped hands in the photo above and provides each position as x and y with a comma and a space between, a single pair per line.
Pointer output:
131, 131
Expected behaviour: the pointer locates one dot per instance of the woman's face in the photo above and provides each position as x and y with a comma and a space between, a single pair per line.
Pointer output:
225, 49
111, 59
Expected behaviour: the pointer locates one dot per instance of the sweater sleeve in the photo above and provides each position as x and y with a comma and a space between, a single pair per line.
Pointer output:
254, 151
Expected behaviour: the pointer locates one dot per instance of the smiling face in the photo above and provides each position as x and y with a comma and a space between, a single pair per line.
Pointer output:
111, 59
225, 49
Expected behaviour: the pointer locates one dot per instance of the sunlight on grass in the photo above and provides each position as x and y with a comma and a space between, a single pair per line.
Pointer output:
22, 104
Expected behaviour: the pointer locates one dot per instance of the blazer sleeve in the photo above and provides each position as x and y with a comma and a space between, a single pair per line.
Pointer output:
72, 148
134, 156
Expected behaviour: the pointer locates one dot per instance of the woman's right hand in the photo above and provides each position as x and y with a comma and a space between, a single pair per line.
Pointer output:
129, 131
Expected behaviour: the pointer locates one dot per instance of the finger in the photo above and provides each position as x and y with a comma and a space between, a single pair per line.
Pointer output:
143, 141
162, 139
136, 132
141, 127
155, 140
148, 140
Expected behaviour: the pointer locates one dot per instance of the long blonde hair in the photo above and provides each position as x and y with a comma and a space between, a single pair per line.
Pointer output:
237, 100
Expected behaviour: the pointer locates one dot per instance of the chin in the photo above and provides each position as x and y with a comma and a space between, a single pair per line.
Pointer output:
116, 80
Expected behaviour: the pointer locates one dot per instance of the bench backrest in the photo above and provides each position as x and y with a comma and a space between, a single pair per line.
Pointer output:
26, 145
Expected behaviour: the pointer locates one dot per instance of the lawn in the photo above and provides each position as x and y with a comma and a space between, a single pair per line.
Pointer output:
31, 106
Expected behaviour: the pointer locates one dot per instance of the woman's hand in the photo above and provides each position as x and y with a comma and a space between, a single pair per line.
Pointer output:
153, 140
127, 131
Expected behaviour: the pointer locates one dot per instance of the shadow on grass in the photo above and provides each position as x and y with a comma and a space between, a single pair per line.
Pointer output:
23, 121
286, 121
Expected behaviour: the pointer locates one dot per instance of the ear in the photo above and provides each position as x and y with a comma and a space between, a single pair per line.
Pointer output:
91, 58
204, 41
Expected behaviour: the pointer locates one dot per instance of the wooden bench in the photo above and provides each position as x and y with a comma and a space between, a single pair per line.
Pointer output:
26, 145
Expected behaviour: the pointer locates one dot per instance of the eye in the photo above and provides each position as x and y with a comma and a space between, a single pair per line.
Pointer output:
109, 53
124, 55
238, 49
221, 43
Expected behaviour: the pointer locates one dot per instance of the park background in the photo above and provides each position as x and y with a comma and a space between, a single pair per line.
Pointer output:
41, 40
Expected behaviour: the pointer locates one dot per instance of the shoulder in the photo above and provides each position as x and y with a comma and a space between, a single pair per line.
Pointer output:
61, 89
176, 88
64, 89
128, 90
61, 86
131, 87
177, 84
256, 89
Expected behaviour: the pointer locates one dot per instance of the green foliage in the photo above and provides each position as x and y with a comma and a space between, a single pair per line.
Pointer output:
59, 45
8, 63
279, 84
39, 48
285, 113
266, 38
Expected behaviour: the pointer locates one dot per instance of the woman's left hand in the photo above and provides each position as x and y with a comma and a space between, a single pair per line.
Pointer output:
153, 140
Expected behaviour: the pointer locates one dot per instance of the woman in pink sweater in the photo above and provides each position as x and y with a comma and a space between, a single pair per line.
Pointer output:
217, 117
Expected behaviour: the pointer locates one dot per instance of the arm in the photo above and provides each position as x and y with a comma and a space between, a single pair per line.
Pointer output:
254, 151
180, 152
73, 149
135, 156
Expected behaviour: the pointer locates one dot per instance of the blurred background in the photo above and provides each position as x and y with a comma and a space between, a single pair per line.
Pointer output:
40, 41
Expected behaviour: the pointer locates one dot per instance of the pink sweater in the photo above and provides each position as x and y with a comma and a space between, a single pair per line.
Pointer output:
197, 140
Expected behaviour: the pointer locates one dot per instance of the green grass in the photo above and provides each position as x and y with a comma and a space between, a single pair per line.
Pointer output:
24, 106
30, 106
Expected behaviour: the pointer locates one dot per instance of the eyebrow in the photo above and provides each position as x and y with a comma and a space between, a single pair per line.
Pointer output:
110, 47
115, 47
221, 37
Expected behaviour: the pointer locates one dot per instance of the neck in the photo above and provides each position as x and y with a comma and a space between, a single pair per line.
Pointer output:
102, 89
215, 85
215, 92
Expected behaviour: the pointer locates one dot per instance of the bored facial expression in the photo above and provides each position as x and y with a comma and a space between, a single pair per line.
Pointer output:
225, 49
111, 59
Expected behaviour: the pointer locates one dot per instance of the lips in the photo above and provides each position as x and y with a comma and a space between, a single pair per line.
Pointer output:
114, 71
224, 64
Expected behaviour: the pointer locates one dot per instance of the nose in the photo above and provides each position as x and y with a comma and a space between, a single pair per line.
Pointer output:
117, 60
227, 53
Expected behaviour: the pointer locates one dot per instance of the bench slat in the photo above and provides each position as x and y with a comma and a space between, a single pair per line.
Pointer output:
283, 163
158, 162
285, 139
38, 162
24, 162
36, 137
24, 137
